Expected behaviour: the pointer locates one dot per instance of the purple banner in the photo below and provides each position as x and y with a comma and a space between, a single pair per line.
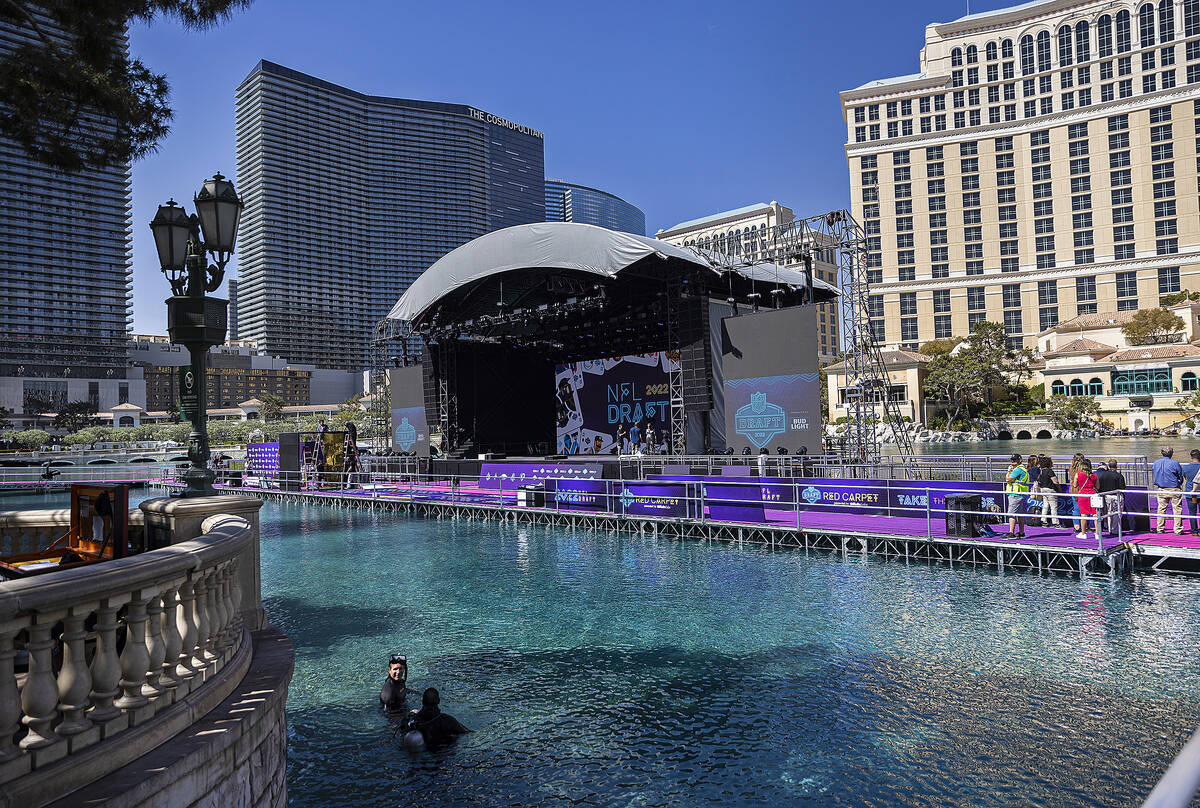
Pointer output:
654, 499
511, 475
735, 501
573, 495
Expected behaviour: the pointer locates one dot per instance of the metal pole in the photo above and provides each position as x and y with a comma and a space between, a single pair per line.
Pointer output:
928, 517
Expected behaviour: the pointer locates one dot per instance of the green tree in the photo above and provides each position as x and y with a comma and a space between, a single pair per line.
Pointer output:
955, 381
88, 436
939, 347
5, 414
54, 87
37, 407
1152, 325
28, 438
76, 415
173, 410
1072, 412
272, 407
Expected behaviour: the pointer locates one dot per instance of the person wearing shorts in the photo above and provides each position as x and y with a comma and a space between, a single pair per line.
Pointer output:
1016, 490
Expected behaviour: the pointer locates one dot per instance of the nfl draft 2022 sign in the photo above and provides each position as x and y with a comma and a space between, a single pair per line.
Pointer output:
772, 411
760, 420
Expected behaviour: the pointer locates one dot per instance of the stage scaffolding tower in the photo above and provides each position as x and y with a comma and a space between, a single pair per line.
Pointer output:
869, 403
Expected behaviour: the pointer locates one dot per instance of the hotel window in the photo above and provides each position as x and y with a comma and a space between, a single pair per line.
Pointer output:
1123, 233
942, 327
935, 169
904, 223
976, 298
1163, 190
1043, 50
1041, 226
971, 200
1027, 62
1043, 190
941, 301
1081, 220
1030, 109
973, 251
974, 267
1065, 44
1009, 247
904, 240
1164, 208
1082, 238
1166, 246
936, 187
933, 153
1011, 295
1146, 25
1106, 93
903, 207
1077, 148
1081, 165
1040, 138
1008, 230
1047, 318
878, 331
1006, 195
940, 270
1149, 84
1007, 213
1167, 56
1122, 196
903, 191
1125, 89
937, 203
1086, 256
1148, 61
1118, 159
1121, 178
1041, 173
901, 174
1047, 293
1104, 37
1168, 280
937, 220
908, 331
1124, 34
1085, 288
1043, 208
1013, 327
875, 306
1126, 291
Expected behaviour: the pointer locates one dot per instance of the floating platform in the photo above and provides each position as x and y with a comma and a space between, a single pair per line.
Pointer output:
893, 538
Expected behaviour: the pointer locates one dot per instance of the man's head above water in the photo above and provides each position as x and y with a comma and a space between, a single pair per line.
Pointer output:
430, 697
398, 667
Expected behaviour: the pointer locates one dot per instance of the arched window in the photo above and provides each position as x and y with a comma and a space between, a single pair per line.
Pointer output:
1076, 388
1146, 25
1058, 388
991, 51
1006, 49
1043, 50
1191, 17
972, 54
1027, 68
1082, 44
1188, 383
1095, 387
1166, 20
956, 57
1065, 39
125, 420
1104, 46
1124, 39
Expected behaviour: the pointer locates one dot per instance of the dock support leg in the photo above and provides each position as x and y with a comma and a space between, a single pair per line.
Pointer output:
1000, 560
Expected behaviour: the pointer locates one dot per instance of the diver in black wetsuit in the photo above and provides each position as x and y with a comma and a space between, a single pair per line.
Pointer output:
434, 727
395, 688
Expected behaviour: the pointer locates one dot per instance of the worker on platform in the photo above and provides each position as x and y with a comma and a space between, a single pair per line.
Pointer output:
1016, 490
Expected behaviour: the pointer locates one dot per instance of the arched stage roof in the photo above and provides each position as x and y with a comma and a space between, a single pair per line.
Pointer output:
567, 247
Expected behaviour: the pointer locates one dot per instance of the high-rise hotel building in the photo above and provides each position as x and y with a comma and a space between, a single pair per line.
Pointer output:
571, 202
64, 273
1041, 166
349, 197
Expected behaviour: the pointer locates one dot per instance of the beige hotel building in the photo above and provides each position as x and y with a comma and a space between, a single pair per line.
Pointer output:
1041, 166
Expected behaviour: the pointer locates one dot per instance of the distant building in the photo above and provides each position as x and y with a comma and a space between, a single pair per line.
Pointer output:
568, 202
1039, 168
64, 274
237, 372
1138, 385
745, 232
906, 372
349, 197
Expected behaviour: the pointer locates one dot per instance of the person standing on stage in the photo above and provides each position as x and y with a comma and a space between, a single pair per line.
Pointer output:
1167, 476
623, 438
1016, 489
635, 438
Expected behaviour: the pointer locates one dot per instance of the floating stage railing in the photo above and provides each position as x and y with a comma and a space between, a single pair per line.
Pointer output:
896, 520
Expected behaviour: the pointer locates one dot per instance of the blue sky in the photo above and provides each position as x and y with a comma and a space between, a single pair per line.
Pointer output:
682, 108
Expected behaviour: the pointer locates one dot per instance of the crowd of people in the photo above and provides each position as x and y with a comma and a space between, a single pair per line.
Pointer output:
1085, 495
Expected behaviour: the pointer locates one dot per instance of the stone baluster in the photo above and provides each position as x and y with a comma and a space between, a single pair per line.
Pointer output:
106, 669
156, 651
39, 696
227, 611
172, 641
10, 697
200, 616
74, 678
186, 628
213, 592
135, 659
235, 601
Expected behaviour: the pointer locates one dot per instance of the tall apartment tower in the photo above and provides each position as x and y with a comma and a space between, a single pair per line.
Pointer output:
1041, 166
64, 275
570, 202
349, 197
746, 232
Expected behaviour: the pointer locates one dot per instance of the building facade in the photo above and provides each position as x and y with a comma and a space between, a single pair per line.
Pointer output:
745, 232
1138, 384
64, 275
349, 197
238, 371
569, 202
1040, 167
906, 371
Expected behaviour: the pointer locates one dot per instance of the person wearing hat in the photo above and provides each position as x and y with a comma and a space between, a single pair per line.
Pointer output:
1016, 489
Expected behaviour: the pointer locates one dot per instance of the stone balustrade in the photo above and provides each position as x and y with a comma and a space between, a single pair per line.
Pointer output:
100, 663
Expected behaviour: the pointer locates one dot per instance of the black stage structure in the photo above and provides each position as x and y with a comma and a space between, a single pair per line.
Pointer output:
493, 318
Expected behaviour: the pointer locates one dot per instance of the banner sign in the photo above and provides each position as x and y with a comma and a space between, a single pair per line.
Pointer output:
575, 495
409, 430
654, 499
735, 502
771, 411
262, 459
595, 398
511, 475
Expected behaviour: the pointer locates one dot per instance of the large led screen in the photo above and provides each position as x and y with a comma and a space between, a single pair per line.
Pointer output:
594, 398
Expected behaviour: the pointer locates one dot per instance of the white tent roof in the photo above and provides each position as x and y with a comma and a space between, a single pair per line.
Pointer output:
556, 245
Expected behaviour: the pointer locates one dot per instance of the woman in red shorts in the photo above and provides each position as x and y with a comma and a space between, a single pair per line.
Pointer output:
1085, 485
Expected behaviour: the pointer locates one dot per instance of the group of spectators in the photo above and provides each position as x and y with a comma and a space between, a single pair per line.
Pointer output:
1033, 487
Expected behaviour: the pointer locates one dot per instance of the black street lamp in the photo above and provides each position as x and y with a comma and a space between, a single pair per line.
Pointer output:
193, 319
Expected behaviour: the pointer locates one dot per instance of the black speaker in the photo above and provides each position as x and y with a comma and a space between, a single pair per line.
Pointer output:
964, 525
289, 461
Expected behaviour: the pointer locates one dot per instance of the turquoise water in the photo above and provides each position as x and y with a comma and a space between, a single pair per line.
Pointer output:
620, 671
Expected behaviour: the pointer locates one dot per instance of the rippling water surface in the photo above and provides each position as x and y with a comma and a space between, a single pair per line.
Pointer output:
624, 671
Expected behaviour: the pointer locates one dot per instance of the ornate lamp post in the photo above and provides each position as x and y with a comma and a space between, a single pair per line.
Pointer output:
193, 319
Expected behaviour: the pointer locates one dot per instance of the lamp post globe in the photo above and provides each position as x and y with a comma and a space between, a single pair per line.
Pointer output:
195, 320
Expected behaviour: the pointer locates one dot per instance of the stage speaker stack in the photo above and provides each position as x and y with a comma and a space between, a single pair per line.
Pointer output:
965, 525
289, 461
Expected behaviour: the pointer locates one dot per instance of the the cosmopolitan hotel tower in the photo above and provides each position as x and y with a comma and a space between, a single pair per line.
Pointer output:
569, 202
64, 277
1041, 166
349, 197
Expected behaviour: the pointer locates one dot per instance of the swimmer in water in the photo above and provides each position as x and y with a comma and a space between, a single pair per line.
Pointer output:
430, 727
395, 686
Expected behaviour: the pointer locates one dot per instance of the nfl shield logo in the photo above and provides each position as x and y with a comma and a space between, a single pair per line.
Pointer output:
406, 435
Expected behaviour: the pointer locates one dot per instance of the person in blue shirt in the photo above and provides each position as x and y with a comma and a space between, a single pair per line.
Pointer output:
1167, 476
1191, 495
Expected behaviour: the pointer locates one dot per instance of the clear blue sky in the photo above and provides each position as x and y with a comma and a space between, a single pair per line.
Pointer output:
682, 108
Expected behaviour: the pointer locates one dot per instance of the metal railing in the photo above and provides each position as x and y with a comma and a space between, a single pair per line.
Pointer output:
1180, 785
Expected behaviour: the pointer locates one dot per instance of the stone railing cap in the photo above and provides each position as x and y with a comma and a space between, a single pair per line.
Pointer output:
185, 506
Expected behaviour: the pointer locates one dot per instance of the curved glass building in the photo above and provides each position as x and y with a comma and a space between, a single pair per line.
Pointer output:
349, 197
568, 202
